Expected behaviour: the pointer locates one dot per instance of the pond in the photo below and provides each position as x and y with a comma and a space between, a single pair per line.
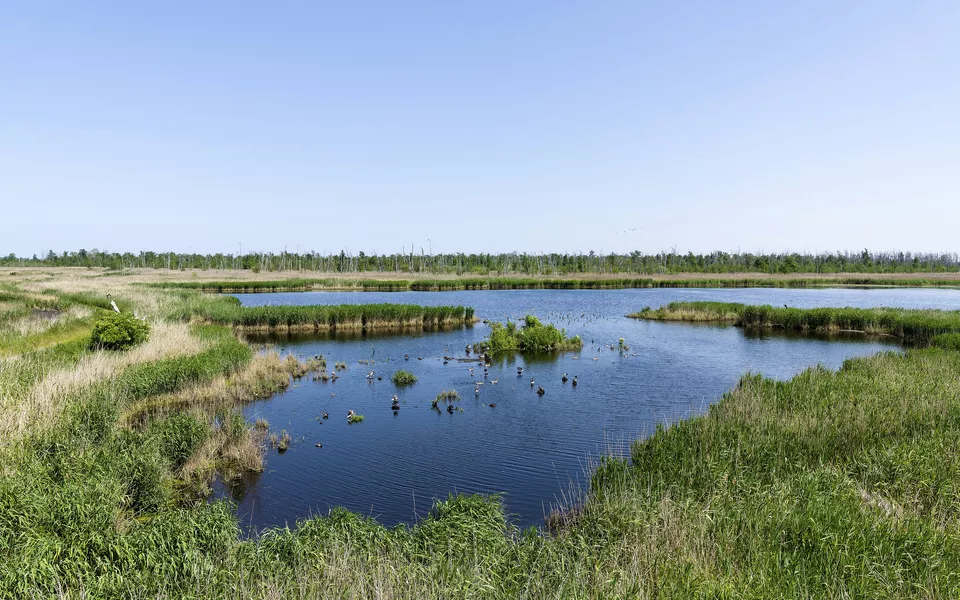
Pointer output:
533, 450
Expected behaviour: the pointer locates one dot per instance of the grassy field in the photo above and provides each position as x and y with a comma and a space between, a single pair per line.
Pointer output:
265, 281
832, 484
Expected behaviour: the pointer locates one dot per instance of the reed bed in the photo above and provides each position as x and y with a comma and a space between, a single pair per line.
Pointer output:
913, 325
345, 316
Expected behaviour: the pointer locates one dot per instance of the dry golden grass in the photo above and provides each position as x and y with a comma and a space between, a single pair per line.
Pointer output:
47, 396
264, 376
79, 276
231, 456
35, 325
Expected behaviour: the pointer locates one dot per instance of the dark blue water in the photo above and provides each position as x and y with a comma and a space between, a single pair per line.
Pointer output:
532, 449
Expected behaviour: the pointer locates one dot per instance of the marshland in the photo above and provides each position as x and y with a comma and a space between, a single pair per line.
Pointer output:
759, 451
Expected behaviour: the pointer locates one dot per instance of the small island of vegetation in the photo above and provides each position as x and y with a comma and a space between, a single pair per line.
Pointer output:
914, 325
534, 336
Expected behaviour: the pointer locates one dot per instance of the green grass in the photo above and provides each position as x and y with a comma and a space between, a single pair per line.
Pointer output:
920, 326
324, 317
534, 336
831, 484
403, 378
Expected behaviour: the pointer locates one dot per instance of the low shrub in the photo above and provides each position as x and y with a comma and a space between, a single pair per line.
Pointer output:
118, 331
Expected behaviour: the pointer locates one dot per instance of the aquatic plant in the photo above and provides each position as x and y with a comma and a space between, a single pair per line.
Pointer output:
402, 377
446, 396
355, 418
534, 336
916, 325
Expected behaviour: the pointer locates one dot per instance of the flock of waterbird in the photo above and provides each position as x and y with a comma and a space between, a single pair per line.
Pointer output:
557, 317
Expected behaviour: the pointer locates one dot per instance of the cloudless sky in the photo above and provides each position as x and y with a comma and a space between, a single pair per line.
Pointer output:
480, 126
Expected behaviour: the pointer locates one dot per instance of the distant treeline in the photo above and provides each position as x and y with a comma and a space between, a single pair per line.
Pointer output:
636, 262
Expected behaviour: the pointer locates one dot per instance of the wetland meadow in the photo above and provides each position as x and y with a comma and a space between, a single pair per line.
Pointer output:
642, 441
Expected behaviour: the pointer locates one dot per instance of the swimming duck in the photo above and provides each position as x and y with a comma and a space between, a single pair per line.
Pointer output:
540, 391
564, 378
574, 382
326, 415
532, 382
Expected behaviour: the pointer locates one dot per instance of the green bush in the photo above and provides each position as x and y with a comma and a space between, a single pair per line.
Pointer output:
119, 331
404, 378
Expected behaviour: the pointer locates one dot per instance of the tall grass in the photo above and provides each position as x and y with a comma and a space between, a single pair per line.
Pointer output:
913, 325
346, 316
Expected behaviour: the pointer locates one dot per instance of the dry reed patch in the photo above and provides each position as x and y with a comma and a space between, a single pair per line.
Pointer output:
44, 401
233, 448
264, 376
36, 323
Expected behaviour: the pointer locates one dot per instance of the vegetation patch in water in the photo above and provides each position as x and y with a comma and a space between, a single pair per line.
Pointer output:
325, 317
915, 325
403, 378
534, 336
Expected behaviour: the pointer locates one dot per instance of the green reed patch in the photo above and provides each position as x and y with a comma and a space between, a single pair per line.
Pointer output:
914, 325
346, 316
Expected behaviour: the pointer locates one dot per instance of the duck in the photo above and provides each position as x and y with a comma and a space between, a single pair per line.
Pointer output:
540, 391
532, 382
564, 378
574, 382
450, 408
406, 357
370, 375
326, 415
493, 381
493, 405
350, 413
519, 371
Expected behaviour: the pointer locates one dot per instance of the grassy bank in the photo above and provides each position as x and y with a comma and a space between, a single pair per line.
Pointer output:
918, 326
560, 283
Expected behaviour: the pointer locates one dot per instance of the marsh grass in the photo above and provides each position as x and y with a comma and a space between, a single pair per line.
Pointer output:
831, 484
914, 325
325, 317
403, 378
446, 396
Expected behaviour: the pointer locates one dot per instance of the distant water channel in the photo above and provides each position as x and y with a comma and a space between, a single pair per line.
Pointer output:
533, 450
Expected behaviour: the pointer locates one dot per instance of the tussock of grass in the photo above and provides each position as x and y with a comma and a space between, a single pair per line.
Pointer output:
913, 325
403, 378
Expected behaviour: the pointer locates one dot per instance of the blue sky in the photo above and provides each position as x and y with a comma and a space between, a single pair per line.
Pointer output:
481, 126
